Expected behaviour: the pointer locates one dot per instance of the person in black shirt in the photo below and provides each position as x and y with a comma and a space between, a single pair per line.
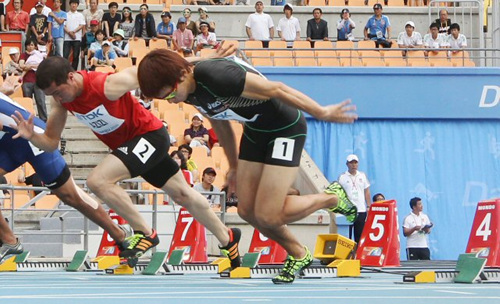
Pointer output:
2, 16
111, 20
39, 25
271, 148
317, 28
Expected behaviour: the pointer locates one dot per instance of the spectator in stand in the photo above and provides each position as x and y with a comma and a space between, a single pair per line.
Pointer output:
2, 17
357, 187
18, 20
379, 197
416, 226
317, 28
92, 13
201, 2
187, 151
183, 38
204, 18
111, 20
120, 46
74, 29
46, 10
144, 25
39, 27
288, 26
179, 158
190, 24
345, 26
259, 25
12, 67
197, 135
105, 57
434, 40
97, 44
409, 39
166, 28
205, 39
127, 24
29, 79
89, 38
207, 185
455, 40
443, 22
56, 20
172, 138
378, 28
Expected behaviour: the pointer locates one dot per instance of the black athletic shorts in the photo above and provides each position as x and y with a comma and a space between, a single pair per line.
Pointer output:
418, 254
147, 156
280, 146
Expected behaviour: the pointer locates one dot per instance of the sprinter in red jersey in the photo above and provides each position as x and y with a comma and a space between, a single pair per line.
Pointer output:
139, 143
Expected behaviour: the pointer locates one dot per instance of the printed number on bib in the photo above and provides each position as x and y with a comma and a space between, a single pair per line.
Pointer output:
484, 228
283, 149
143, 150
189, 221
376, 224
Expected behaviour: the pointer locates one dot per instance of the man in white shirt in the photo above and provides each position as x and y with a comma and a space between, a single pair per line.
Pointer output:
357, 187
207, 185
416, 226
289, 26
409, 39
74, 28
259, 25
455, 40
434, 40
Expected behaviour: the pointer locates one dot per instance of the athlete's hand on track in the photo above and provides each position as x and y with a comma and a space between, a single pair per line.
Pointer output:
343, 112
25, 128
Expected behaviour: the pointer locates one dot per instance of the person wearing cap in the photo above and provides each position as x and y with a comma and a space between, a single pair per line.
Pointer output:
416, 227
74, 29
120, 46
183, 38
166, 28
111, 19
45, 10
204, 18
409, 39
288, 26
378, 28
345, 26
56, 20
357, 187
317, 28
259, 25
434, 39
12, 67
39, 26
103, 57
275, 131
205, 39
92, 12
127, 23
207, 188
144, 25
197, 135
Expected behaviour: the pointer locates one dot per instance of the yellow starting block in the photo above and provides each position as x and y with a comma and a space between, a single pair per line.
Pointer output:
9, 265
331, 247
119, 269
105, 262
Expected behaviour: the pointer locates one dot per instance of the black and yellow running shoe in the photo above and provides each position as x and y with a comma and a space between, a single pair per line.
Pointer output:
292, 267
139, 244
231, 249
344, 205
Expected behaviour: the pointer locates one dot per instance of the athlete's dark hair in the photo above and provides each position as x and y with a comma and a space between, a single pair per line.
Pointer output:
181, 157
53, 69
158, 69
414, 201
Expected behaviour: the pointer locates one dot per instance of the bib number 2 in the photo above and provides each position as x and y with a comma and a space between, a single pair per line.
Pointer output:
283, 148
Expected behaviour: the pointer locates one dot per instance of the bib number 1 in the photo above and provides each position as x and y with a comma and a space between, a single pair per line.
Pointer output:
283, 149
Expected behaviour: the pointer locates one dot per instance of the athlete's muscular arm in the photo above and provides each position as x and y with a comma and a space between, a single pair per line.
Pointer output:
228, 142
258, 88
49, 140
120, 83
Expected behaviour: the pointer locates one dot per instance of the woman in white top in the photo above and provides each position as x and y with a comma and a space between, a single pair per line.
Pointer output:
205, 39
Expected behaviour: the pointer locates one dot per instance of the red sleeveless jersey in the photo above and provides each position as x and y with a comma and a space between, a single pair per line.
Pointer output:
114, 122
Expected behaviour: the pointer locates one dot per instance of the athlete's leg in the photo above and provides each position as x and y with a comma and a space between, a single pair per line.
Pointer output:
197, 205
75, 197
102, 181
6, 234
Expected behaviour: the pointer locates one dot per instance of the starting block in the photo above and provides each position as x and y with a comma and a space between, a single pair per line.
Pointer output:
11, 263
175, 265
119, 269
157, 262
469, 269
78, 260
330, 247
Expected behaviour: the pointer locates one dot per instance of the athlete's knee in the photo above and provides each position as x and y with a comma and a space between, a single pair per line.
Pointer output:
247, 214
187, 197
269, 221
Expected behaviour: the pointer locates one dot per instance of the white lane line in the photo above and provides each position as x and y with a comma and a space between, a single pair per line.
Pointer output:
256, 300
458, 292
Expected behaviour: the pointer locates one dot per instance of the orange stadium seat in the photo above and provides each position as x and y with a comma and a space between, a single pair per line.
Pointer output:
302, 44
122, 63
283, 61
139, 54
366, 44
395, 62
277, 44
47, 202
158, 44
304, 54
316, 3
105, 69
25, 102
323, 44
262, 62
328, 62
373, 62
305, 62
